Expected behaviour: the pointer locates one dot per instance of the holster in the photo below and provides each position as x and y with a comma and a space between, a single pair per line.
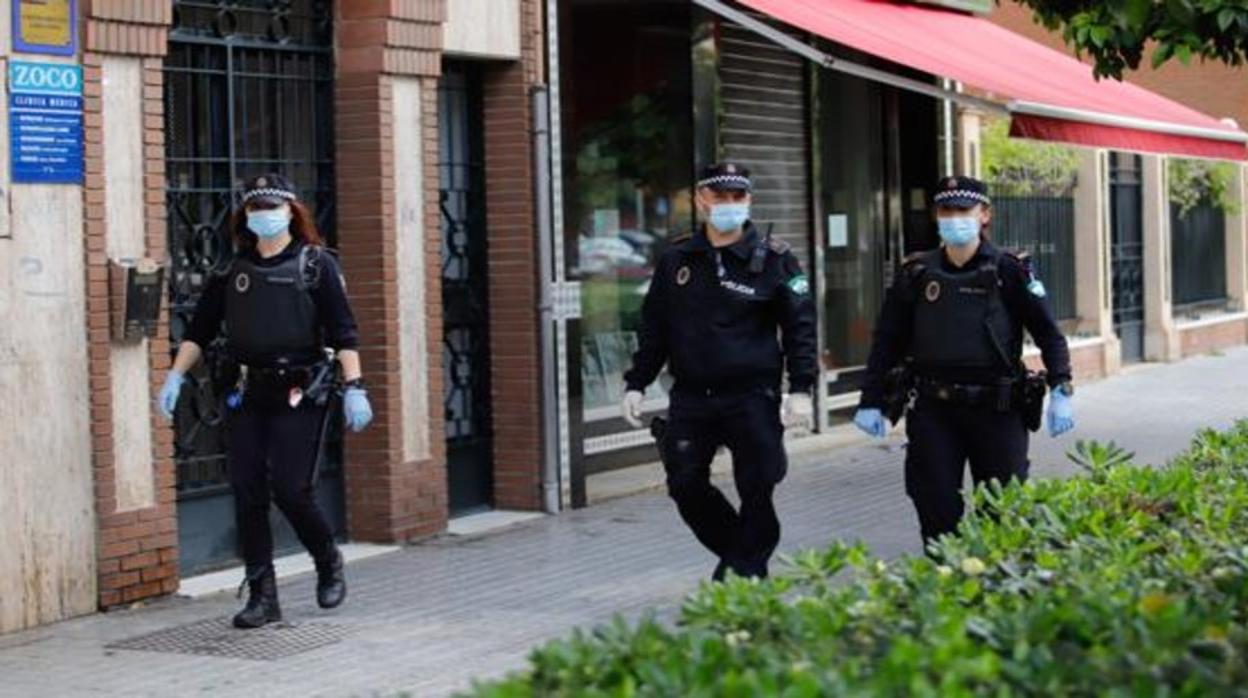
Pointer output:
898, 383
1034, 385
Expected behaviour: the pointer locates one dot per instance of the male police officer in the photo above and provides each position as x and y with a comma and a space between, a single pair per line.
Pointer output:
956, 316
712, 313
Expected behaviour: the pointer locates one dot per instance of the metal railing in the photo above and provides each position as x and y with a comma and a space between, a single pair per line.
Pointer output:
1044, 227
1198, 252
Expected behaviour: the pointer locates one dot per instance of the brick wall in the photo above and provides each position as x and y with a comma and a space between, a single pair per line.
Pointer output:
1210, 87
513, 271
1204, 339
388, 499
137, 549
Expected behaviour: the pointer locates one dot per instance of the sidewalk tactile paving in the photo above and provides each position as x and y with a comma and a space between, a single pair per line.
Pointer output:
216, 637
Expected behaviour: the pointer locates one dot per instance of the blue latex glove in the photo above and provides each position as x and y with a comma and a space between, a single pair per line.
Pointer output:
1061, 414
871, 421
356, 408
168, 398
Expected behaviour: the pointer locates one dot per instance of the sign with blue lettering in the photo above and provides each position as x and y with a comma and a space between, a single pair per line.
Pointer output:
45, 122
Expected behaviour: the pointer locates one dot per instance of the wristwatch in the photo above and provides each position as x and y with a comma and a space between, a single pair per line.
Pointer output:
1066, 388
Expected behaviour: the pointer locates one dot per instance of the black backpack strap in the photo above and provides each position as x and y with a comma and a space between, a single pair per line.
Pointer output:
311, 264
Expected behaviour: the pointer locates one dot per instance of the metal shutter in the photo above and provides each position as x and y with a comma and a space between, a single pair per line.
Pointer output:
763, 91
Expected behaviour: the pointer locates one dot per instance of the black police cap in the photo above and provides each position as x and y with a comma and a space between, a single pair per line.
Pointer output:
961, 192
269, 188
725, 176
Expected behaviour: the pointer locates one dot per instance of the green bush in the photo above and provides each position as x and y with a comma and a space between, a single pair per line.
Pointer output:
1126, 581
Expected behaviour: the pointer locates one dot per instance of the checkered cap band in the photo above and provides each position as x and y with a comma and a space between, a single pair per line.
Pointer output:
268, 191
962, 194
725, 179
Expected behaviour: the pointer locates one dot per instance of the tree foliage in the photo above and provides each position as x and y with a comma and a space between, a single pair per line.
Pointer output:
1021, 167
1116, 33
1196, 182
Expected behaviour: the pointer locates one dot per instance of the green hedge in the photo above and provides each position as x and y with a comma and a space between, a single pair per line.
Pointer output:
1123, 582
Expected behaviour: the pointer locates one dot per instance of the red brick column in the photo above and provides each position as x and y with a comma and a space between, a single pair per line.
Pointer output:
513, 270
137, 549
388, 499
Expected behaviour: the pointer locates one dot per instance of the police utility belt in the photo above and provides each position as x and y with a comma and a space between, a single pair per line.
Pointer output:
1024, 393
1002, 396
312, 384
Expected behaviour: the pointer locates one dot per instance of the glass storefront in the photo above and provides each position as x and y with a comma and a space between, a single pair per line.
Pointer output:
627, 159
853, 191
670, 92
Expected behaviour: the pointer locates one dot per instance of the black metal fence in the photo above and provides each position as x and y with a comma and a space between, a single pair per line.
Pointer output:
1045, 227
1198, 251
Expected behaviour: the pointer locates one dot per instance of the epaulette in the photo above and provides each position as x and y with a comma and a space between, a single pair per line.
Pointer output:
681, 238
915, 262
1020, 256
913, 258
778, 246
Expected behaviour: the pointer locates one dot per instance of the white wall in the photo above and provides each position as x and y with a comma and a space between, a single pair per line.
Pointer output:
125, 235
483, 29
47, 499
410, 245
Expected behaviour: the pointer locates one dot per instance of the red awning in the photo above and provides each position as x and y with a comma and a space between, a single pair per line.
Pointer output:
1050, 95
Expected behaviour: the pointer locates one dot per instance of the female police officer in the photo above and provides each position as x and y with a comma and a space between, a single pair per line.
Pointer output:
282, 302
956, 316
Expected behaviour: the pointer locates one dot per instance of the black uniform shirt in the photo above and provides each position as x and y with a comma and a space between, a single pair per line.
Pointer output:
337, 321
715, 322
1026, 310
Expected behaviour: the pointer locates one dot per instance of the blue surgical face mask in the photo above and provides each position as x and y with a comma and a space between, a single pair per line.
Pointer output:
728, 217
960, 231
269, 223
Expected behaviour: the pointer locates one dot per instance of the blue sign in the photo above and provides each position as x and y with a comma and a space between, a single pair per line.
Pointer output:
45, 122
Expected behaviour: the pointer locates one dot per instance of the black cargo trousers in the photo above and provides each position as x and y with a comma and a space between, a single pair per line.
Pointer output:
747, 422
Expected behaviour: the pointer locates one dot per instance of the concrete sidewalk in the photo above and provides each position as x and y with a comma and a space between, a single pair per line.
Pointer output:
429, 618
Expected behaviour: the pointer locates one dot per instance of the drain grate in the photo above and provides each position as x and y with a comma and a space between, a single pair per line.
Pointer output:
216, 637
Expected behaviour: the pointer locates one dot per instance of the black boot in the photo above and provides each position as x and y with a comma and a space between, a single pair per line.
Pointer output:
720, 571
331, 584
262, 605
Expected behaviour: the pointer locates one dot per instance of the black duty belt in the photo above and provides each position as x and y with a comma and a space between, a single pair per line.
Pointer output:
1001, 396
686, 390
292, 384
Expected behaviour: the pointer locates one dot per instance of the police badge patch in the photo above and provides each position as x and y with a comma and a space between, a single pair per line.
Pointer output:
932, 292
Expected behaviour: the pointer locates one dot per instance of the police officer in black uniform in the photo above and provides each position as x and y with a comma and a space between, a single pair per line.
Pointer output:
715, 303
955, 318
282, 303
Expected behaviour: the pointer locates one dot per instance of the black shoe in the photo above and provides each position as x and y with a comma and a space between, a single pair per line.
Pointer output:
331, 584
721, 569
262, 607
